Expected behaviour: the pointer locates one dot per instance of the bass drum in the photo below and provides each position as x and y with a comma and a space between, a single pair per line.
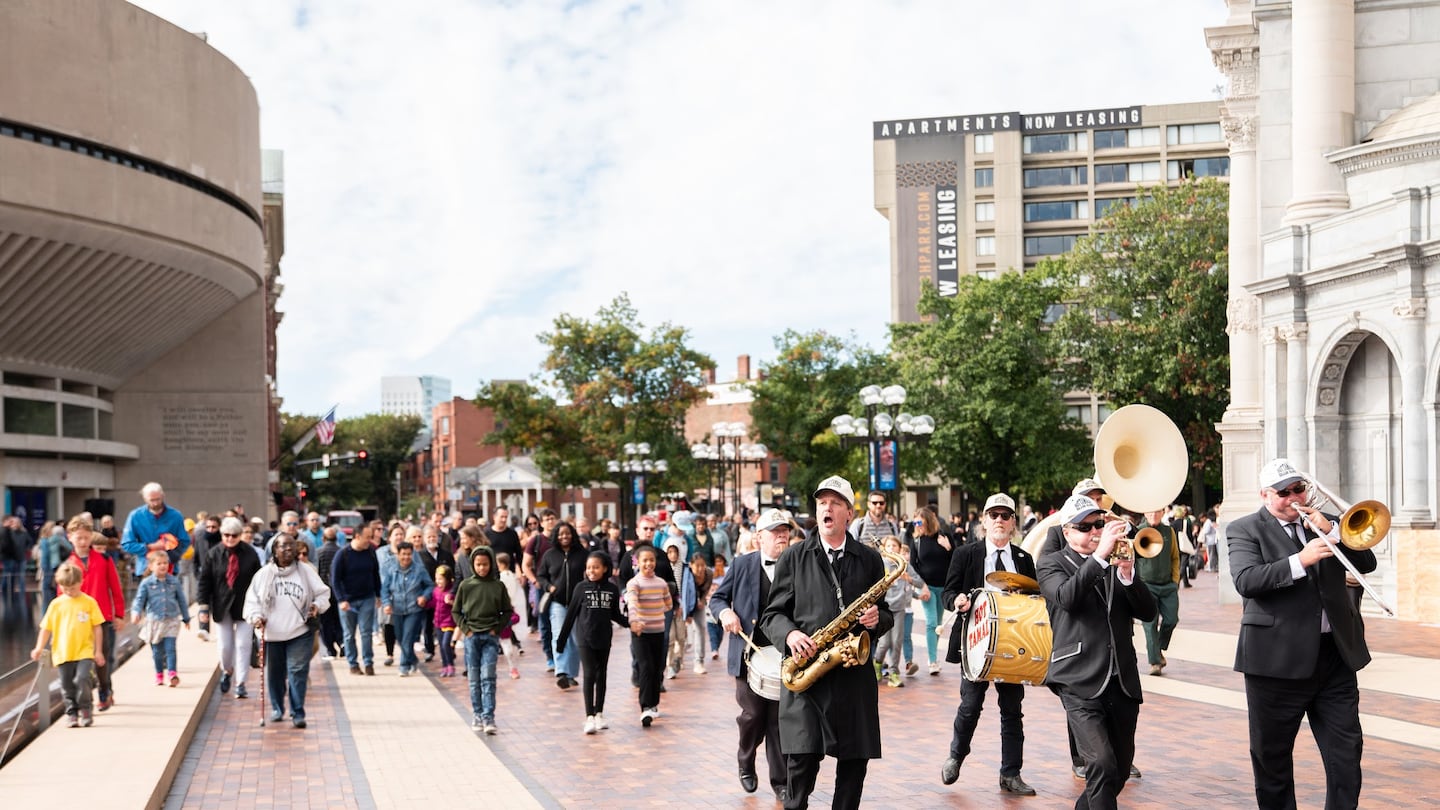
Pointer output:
763, 672
1007, 638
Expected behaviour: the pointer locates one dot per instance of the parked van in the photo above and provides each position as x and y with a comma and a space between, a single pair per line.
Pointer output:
347, 519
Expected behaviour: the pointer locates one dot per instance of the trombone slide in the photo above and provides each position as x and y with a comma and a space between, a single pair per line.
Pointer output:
1349, 566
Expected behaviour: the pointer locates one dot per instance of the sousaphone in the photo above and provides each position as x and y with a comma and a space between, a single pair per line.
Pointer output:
1141, 458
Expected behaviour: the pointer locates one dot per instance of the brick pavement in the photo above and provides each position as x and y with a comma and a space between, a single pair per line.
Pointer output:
368, 735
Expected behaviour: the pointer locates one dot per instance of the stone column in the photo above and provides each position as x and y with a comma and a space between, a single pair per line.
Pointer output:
1414, 509
1297, 434
1322, 103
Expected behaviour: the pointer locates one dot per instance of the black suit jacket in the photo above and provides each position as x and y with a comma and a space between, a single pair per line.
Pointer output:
967, 573
740, 591
1280, 626
840, 714
1091, 614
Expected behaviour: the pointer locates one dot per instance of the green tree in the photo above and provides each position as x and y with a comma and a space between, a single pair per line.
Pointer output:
815, 377
982, 364
388, 440
604, 382
1147, 294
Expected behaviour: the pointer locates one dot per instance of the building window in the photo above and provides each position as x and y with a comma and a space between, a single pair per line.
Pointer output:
1122, 138
988, 273
985, 212
1199, 167
1127, 172
1192, 133
1104, 204
445, 456
984, 178
28, 417
77, 421
984, 246
1057, 176
107, 429
774, 470
984, 144
444, 426
1055, 142
1048, 245
1057, 210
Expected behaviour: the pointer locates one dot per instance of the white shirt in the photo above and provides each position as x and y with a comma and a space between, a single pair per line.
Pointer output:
1005, 554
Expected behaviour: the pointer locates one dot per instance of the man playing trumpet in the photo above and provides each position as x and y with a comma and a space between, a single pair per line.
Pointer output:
1301, 640
1092, 603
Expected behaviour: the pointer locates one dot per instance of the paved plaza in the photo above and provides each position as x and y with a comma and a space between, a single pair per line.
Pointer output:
387, 742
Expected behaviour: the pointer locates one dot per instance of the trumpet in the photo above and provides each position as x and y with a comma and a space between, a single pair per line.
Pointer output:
1362, 526
1146, 543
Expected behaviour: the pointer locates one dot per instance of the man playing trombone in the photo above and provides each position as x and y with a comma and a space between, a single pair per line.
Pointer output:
1301, 640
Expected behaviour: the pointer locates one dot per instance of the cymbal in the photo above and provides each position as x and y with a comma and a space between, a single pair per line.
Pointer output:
1010, 581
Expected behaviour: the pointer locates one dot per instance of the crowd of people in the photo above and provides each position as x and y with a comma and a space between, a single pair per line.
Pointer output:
472, 591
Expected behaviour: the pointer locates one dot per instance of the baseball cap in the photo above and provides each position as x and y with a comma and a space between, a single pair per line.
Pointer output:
999, 499
1278, 473
1086, 485
771, 518
839, 486
1077, 508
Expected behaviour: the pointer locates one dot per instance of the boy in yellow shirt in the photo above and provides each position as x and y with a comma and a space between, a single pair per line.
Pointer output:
72, 628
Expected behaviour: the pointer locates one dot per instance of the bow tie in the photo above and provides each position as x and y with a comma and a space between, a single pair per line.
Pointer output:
769, 563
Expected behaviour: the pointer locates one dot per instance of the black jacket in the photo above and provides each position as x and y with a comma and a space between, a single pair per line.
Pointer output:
1091, 617
592, 607
564, 570
223, 600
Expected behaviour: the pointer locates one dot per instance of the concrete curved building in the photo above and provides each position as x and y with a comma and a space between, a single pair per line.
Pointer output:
136, 322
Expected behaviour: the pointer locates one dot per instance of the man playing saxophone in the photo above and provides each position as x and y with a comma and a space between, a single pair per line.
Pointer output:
838, 715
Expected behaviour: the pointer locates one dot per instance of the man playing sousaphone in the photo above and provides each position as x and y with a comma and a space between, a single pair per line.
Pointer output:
969, 567
1093, 602
737, 604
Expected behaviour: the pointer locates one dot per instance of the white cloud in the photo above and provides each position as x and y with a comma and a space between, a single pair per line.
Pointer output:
458, 176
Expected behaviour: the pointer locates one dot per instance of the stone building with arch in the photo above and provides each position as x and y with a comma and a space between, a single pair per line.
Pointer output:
1333, 121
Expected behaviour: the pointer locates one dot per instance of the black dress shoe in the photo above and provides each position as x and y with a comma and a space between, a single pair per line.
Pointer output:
1014, 784
747, 781
782, 794
1134, 772
950, 771
1079, 771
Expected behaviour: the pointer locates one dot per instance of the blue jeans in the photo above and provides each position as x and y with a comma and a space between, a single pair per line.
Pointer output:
933, 611
907, 645
717, 633
287, 664
163, 654
409, 626
481, 652
359, 621
568, 662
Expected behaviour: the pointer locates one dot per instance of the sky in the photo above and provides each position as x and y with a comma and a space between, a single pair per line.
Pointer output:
458, 176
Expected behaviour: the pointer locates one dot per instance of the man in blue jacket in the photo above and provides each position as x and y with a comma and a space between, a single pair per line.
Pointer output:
155, 526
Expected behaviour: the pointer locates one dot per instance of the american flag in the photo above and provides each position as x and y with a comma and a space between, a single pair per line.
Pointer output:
325, 428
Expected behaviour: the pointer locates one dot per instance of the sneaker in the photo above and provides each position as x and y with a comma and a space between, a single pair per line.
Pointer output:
429, 656
355, 669
477, 725
159, 679
276, 715
85, 719
934, 667
224, 682
491, 728
894, 680
600, 723
389, 662
699, 668
174, 679
240, 693
404, 673
670, 674
590, 724
514, 673
911, 667
72, 721
203, 635
647, 717
327, 656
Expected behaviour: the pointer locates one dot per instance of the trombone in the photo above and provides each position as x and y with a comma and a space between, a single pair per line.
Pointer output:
1362, 526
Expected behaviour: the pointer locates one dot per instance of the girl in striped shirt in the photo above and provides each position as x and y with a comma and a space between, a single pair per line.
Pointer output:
648, 597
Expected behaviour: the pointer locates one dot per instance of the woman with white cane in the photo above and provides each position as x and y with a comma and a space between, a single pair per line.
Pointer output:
284, 603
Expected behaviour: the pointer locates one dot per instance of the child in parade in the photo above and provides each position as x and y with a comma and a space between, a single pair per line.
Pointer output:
594, 604
444, 601
71, 626
648, 597
509, 641
482, 606
899, 598
160, 604
100, 580
679, 626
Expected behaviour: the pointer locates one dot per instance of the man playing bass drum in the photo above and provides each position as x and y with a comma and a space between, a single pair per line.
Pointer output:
839, 716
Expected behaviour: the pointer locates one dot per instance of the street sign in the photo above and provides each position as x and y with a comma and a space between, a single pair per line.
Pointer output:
320, 473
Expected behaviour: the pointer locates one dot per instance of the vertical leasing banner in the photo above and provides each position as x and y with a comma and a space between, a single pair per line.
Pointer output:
928, 230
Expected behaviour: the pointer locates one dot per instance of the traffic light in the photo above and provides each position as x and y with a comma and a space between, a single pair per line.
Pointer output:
364, 456
302, 492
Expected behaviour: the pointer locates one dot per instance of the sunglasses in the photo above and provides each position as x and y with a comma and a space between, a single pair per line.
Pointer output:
227, 534
1093, 526
877, 503
1298, 488
997, 515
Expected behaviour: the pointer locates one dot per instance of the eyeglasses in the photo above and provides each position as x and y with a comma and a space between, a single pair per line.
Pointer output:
1297, 488
228, 534
1093, 526
999, 515
291, 523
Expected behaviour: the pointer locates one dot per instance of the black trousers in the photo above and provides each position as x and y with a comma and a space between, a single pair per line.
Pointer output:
387, 632
427, 632
594, 662
332, 638
1104, 729
1012, 726
649, 652
1331, 699
759, 720
849, 781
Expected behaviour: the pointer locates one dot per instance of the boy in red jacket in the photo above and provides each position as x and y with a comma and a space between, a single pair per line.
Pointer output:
101, 582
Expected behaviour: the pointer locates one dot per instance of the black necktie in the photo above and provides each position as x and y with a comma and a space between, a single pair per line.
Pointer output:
999, 560
835, 559
1296, 535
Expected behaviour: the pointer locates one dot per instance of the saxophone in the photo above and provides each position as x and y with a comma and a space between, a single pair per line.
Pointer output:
836, 644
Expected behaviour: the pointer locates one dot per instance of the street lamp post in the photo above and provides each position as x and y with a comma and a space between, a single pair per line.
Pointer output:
883, 431
727, 457
630, 471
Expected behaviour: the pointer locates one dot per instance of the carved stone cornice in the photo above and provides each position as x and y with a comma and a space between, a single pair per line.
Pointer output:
1410, 308
1293, 332
1240, 130
1368, 156
1242, 315
1238, 57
